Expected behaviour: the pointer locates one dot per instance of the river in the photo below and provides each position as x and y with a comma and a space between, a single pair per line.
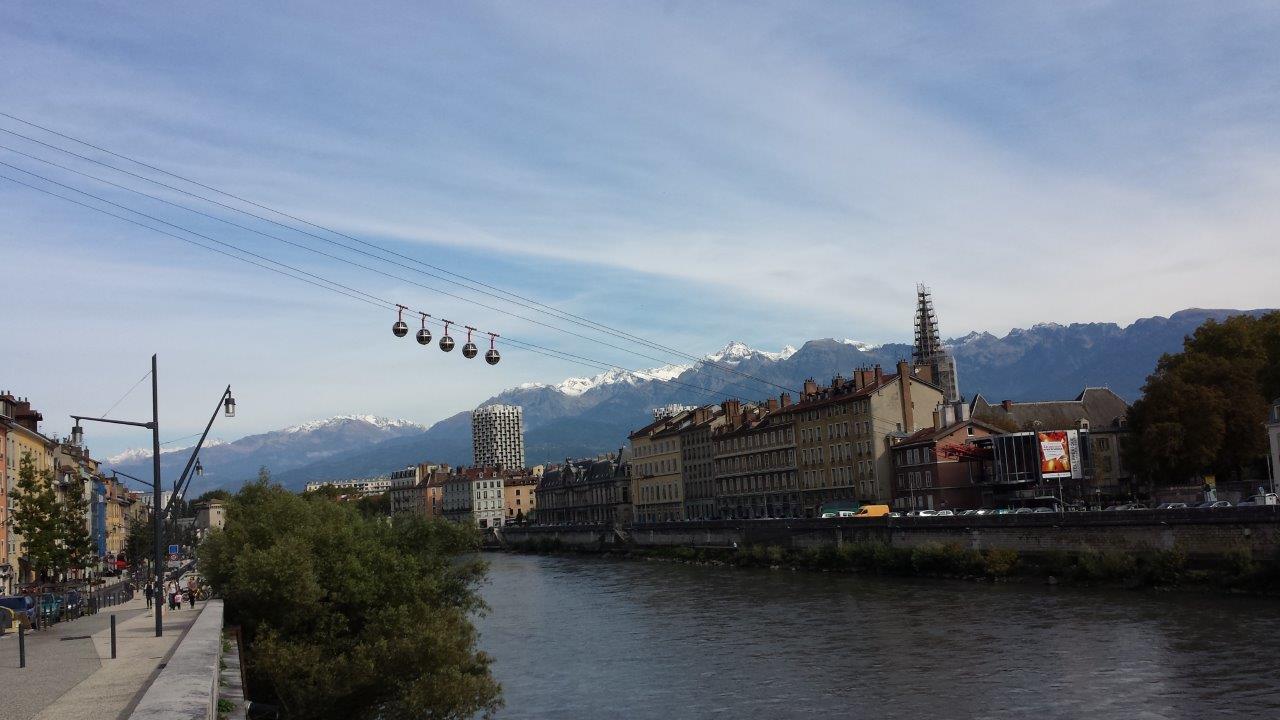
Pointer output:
585, 637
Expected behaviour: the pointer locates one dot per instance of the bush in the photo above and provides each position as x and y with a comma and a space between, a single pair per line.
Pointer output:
948, 559
1166, 567
1001, 563
351, 617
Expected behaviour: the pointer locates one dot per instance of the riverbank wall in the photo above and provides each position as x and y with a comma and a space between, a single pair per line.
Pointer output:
1202, 535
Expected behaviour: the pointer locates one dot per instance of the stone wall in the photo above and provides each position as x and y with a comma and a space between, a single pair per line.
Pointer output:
1200, 533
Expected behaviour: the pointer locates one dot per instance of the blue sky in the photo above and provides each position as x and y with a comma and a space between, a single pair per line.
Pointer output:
693, 172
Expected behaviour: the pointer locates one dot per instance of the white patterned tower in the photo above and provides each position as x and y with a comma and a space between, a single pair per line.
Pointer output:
497, 436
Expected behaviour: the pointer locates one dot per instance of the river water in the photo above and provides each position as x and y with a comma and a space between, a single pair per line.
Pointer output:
585, 637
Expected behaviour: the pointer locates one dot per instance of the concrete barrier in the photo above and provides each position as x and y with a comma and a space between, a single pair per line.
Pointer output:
187, 687
1202, 534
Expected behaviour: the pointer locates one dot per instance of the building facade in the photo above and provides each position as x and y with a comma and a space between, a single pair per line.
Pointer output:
586, 492
358, 486
1100, 413
754, 462
22, 439
475, 495
497, 436
656, 466
930, 467
697, 462
520, 498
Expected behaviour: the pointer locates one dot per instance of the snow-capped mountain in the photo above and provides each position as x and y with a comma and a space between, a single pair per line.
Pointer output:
586, 416
229, 463
731, 354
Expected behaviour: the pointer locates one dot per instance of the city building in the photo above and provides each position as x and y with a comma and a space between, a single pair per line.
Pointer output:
474, 495
1100, 413
591, 491
697, 462
408, 494
930, 471
844, 430
497, 436
754, 460
656, 486
22, 439
520, 498
210, 515
358, 486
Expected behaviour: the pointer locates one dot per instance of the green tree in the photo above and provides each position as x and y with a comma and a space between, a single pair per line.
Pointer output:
347, 616
1202, 409
54, 530
138, 543
77, 548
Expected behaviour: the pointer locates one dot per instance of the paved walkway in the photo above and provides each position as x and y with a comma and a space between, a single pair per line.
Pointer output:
70, 673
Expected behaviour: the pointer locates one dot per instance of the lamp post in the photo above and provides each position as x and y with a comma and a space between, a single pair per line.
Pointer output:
158, 514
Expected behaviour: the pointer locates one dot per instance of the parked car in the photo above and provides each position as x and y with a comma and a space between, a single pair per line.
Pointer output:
1172, 506
51, 607
1023, 511
1214, 505
945, 513
895, 513
984, 511
24, 606
1045, 510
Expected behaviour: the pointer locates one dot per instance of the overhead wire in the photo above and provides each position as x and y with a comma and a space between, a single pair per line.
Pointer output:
126, 394
518, 300
312, 278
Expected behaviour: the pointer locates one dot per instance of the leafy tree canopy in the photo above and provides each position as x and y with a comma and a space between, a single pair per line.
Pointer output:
1202, 410
348, 616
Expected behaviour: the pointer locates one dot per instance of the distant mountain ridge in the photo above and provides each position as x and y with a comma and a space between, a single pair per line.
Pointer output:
586, 416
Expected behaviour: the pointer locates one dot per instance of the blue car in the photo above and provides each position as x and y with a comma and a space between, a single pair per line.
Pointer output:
23, 606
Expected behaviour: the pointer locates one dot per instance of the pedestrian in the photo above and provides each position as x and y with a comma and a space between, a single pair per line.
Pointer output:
191, 598
148, 591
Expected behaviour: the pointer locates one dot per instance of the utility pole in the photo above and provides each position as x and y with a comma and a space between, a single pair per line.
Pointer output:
156, 515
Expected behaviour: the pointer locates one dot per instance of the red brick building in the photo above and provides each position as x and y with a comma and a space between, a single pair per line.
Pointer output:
924, 479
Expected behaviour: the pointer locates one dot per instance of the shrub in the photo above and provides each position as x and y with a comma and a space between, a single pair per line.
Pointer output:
1001, 562
1166, 567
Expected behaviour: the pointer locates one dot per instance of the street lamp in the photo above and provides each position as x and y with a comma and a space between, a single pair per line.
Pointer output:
227, 404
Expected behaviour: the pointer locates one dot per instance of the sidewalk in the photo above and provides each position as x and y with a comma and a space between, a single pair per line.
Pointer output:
70, 674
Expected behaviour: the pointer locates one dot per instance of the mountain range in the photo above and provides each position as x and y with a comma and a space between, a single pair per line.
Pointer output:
586, 416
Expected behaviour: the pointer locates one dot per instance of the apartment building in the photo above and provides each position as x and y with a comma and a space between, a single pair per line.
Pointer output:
520, 498
497, 436
754, 461
656, 466
590, 491
697, 462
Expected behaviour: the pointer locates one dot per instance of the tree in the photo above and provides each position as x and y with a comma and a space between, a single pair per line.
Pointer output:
138, 544
347, 616
54, 530
1202, 409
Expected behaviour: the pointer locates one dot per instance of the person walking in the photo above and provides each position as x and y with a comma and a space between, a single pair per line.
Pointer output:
148, 591
191, 597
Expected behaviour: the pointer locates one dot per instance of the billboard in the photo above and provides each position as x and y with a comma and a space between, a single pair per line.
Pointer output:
1056, 453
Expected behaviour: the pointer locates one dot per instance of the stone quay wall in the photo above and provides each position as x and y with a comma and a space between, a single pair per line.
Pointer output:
1201, 534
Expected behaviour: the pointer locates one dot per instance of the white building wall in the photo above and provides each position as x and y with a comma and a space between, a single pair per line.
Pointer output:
497, 436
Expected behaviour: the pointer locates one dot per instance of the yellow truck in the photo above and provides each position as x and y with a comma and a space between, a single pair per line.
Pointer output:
869, 511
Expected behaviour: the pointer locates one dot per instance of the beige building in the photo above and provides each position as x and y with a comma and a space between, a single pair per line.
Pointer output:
843, 433
210, 515
520, 498
755, 462
656, 465
22, 438
697, 460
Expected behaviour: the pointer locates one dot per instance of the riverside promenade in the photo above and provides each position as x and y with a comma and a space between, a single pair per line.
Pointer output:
70, 674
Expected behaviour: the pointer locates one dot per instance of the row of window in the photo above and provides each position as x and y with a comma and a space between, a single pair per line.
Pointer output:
757, 461
755, 440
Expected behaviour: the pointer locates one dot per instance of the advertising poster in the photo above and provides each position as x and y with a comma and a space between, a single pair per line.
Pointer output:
1055, 455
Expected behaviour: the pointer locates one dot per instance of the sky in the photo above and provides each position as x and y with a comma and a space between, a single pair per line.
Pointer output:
689, 172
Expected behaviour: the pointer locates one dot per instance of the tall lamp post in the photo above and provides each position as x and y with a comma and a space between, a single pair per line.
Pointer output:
158, 513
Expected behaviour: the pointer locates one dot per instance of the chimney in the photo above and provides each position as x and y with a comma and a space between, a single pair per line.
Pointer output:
732, 409
784, 400
836, 382
810, 387
937, 419
879, 374
904, 396
772, 404
962, 411
1007, 405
